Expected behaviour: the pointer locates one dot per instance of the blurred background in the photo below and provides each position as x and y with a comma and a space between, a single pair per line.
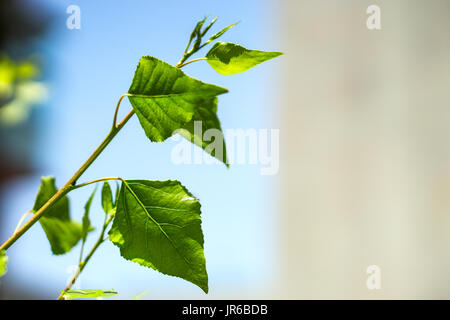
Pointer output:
364, 173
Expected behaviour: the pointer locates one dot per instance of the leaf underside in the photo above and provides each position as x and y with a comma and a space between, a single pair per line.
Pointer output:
88, 293
157, 224
62, 232
166, 99
230, 58
206, 113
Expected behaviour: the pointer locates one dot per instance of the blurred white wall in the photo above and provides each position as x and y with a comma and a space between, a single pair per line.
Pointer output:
365, 153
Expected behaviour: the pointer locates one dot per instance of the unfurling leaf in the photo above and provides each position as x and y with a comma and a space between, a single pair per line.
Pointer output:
62, 232
158, 225
3, 263
206, 29
88, 293
197, 34
164, 98
230, 58
107, 198
86, 223
199, 130
220, 33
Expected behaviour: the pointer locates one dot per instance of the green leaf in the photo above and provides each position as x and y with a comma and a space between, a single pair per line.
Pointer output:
107, 198
164, 98
230, 58
88, 293
205, 115
206, 29
139, 296
158, 225
86, 223
62, 232
220, 33
3, 262
196, 33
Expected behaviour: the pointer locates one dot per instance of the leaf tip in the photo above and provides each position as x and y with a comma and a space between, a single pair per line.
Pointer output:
205, 289
277, 53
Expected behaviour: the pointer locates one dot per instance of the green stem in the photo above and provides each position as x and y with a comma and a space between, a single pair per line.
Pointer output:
81, 252
186, 63
82, 263
183, 59
116, 112
95, 181
185, 56
69, 186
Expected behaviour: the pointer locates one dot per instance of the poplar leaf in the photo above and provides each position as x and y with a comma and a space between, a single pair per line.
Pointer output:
230, 58
164, 97
107, 198
139, 296
198, 130
157, 224
206, 29
62, 232
3, 262
88, 293
221, 32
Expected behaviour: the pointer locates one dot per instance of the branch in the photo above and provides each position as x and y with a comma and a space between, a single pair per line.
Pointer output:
70, 185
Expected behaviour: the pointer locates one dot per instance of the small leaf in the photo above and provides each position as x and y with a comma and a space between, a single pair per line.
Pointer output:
107, 198
3, 263
86, 223
206, 29
62, 232
164, 98
230, 58
196, 33
88, 293
220, 33
205, 117
158, 225
139, 296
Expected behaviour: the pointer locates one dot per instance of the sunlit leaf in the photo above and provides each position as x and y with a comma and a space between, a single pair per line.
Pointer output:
199, 128
88, 293
206, 29
164, 98
220, 33
62, 232
107, 198
3, 263
230, 58
158, 225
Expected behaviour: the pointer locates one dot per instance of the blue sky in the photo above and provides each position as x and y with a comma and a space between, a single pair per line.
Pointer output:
88, 70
